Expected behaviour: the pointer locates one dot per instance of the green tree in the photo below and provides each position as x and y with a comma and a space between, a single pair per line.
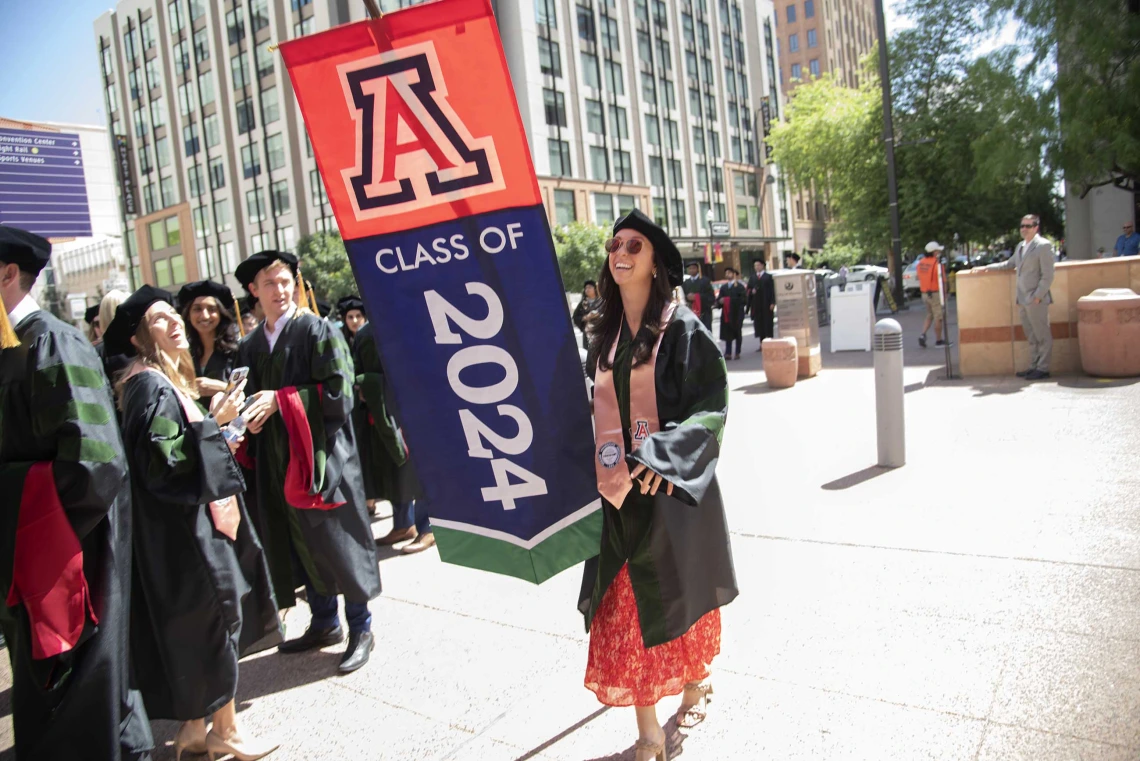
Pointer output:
324, 265
580, 247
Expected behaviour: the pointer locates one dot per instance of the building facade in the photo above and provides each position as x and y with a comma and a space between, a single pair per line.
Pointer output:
623, 105
817, 37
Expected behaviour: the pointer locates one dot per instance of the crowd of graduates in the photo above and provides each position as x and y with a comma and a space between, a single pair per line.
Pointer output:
181, 473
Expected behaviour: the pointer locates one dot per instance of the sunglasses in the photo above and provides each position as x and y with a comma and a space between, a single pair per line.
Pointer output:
632, 245
1028, 227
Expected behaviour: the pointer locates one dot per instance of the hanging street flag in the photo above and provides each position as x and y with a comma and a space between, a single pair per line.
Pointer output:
419, 142
718, 257
708, 254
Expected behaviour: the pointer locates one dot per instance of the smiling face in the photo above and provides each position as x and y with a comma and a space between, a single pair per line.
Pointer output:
165, 328
354, 320
205, 315
631, 269
273, 288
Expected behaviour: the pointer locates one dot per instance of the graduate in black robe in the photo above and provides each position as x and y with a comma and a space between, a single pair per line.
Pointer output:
214, 332
202, 597
699, 293
762, 301
311, 507
732, 299
62, 466
586, 311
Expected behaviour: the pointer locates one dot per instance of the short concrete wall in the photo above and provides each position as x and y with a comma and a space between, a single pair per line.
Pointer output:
990, 336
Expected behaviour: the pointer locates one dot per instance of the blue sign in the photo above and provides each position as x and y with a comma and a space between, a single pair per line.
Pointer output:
42, 184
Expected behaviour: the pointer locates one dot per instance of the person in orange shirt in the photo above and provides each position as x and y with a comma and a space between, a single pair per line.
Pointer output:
930, 282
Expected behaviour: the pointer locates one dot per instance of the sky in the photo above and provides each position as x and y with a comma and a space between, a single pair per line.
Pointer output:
51, 62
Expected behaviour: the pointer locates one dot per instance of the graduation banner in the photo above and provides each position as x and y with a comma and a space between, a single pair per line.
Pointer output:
419, 141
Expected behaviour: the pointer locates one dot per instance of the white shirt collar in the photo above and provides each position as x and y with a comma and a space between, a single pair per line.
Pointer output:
26, 306
272, 335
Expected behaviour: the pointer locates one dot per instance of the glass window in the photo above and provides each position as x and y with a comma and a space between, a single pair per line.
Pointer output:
317, 188
559, 157
586, 29
618, 120
656, 172
245, 119
679, 213
603, 209
594, 121
564, 212
626, 203
177, 269
275, 144
254, 205
811, 39
156, 232
197, 9
659, 211
195, 184
676, 174
286, 238
610, 37
590, 70
623, 166
162, 148
555, 107
270, 107
147, 29
742, 217
250, 161
548, 59
206, 88
303, 27
641, 10
546, 12
809, 8
235, 24
691, 63
162, 273
151, 70
814, 64
652, 131
644, 48
259, 14
150, 198
614, 81
648, 89
181, 58
174, 15
734, 149
793, 42
673, 133
213, 135
797, 71
202, 45
698, 140
173, 234
187, 101
264, 59
599, 164
670, 95
157, 113
144, 159
791, 14
223, 219
239, 72
259, 242
217, 173
714, 144
279, 195
702, 178
190, 139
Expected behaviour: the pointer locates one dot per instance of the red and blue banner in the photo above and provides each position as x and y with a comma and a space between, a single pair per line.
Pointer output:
419, 141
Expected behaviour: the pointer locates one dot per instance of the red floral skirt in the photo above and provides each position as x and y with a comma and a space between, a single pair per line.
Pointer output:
621, 671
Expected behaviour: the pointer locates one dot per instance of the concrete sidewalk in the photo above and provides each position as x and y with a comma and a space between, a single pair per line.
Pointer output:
978, 603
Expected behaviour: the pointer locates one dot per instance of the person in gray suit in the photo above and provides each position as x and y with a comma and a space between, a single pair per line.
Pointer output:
1033, 260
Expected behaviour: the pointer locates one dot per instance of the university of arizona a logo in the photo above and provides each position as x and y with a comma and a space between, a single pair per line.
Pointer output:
640, 430
412, 149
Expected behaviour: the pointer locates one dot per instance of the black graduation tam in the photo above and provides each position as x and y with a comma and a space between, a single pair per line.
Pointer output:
247, 271
662, 243
324, 307
28, 251
191, 291
117, 335
348, 303
248, 304
792, 255
694, 263
589, 282
90, 315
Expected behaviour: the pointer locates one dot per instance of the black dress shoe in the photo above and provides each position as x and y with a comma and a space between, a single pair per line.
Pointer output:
1022, 373
360, 647
1036, 375
313, 639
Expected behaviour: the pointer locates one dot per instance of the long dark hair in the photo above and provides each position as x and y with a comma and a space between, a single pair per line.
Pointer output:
226, 336
611, 311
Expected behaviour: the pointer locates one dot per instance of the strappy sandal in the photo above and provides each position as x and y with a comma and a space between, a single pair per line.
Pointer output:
657, 749
695, 714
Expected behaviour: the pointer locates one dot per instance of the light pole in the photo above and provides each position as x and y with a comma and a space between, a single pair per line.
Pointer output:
709, 221
889, 140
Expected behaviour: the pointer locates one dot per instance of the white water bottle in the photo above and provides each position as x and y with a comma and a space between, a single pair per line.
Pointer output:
235, 430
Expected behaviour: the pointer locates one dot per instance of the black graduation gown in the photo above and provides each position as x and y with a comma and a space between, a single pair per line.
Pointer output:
677, 547
383, 455
585, 306
201, 601
761, 299
731, 300
55, 405
702, 286
335, 547
113, 364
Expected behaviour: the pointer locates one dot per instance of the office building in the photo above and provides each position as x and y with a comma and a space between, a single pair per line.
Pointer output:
623, 106
817, 37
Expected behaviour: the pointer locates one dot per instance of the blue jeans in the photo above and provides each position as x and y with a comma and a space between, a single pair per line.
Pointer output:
406, 514
325, 609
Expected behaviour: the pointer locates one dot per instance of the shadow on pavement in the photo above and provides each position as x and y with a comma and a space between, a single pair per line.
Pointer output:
562, 735
757, 388
1085, 381
854, 479
674, 745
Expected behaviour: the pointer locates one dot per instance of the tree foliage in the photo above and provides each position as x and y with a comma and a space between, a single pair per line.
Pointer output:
580, 247
324, 264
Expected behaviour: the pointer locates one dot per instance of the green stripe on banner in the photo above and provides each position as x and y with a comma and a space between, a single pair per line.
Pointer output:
564, 549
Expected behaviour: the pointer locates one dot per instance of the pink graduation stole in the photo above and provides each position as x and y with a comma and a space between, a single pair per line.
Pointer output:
614, 480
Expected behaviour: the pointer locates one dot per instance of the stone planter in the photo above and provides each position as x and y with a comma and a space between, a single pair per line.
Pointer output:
1108, 332
781, 361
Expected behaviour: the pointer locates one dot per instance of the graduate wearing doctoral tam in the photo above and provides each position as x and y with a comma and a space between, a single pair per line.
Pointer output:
65, 537
221, 361
91, 314
699, 293
202, 596
311, 507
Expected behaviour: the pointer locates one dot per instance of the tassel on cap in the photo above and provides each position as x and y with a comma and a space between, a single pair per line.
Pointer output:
237, 316
303, 296
8, 339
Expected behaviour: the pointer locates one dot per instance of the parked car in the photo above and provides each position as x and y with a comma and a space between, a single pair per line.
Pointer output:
910, 279
860, 272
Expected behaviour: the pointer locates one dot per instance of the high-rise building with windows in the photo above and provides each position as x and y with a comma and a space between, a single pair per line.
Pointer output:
624, 105
818, 36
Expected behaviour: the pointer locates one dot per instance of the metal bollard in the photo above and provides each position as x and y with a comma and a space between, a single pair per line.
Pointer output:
889, 393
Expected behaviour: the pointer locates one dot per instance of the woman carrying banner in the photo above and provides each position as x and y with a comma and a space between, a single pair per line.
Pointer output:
206, 307
651, 598
202, 597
